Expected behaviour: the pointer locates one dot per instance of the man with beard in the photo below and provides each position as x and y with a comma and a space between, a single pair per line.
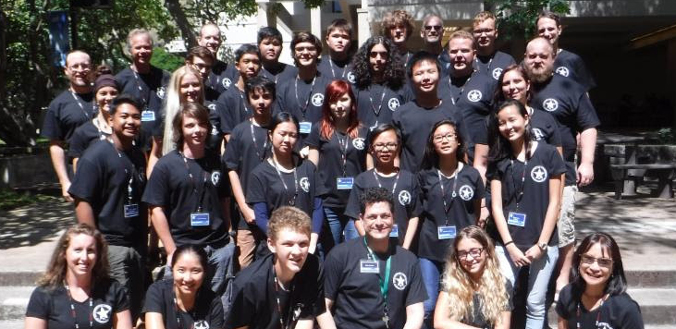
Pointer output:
569, 103
566, 63
488, 60
68, 111
145, 82
222, 74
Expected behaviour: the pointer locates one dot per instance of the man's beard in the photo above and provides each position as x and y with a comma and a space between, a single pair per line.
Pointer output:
540, 77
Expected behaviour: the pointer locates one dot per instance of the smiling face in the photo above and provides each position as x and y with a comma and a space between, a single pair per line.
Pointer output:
78, 68
305, 53
340, 108
284, 138
290, 248
514, 86
194, 132
377, 220
512, 124
126, 121
210, 37
104, 96
548, 29
445, 140
461, 51
188, 273
425, 76
596, 266
432, 30
81, 254
472, 257
190, 88
385, 147
141, 48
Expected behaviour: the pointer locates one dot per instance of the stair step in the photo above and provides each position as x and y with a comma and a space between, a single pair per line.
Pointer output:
19, 278
13, 302
19, 324
653, 279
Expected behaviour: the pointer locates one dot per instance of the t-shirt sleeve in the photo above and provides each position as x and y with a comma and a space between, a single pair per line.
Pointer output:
416, 292
563, 307
556, 164
480, 190
493, 172
232, 158
416, 207
242, 308
77, 144
586, 114
121, 297
154, 301
157, 190
50, 125
313, 139
555, 137
39, 304
221, 110
255, 191
216, 313
333, 268
86, 183
631, 314
352, 206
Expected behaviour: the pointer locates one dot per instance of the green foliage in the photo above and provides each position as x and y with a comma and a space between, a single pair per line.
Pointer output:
165, 60
10, 199
516, 18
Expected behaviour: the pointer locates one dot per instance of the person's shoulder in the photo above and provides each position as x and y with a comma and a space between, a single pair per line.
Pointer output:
545, 149
344, 250
240, 128
121, 76
405, 174
252, 274
62, 98
167, 159
308, 165
624, 302
469, 171
98, 150
405, 256
261, 168
158, 71
567, 86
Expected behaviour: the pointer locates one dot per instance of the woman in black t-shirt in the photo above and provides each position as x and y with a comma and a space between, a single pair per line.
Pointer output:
526, 178
474, 293
185, 301
76, 290
105, 90
338, 149
596, 296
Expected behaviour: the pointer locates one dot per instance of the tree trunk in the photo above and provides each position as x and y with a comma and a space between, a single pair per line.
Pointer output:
176, 11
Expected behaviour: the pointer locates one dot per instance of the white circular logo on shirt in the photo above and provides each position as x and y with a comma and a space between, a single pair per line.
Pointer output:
550, 104
101, 313
212, 106
161, 92
215, 177
474, 96
226, 83
214, 131
201, 324
393, 103
399, 280
538, 174
537, 134
358, 143
496, 73
404, 197
466, 192
563, 71
351, 77
318, 99
305, 184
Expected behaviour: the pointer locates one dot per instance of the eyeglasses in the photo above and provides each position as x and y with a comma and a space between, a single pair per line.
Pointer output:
381, 146
589, 260
374, 54
474, 252
433, 27
439, 138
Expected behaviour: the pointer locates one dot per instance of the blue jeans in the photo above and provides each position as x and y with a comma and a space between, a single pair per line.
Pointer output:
342, 227
538, 280
431, 271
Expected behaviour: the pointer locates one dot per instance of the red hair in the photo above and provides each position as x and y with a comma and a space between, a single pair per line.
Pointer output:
334, 91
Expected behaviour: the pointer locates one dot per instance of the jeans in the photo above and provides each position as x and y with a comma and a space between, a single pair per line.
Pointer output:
342, 227
431, 271
127, 268
538, 279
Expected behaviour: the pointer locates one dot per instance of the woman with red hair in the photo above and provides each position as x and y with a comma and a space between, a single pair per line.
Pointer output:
338, 148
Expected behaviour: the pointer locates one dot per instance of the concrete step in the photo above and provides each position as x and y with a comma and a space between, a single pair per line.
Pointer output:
17, 324
651, 278
19, 278
13, 302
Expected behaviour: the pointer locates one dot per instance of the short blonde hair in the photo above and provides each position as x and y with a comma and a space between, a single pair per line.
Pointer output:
291, 218
482, 16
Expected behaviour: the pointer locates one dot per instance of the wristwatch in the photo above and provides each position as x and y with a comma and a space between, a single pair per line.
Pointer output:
542, 246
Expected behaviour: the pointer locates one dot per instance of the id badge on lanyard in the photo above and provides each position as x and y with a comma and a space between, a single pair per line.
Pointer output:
516, 219
199, 219
305, 127
369, 266
344, 183
131, 210
147, 115
395, 231
446, 232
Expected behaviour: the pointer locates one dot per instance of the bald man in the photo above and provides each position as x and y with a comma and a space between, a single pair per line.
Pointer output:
222, 74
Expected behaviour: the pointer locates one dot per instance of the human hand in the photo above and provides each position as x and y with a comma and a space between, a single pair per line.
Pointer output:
585, 174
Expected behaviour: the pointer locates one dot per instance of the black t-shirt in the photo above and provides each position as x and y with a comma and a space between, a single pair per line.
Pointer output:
461, 212
377, 104
206, 313
294, 94
171, 187
280, 73
572, 66
254, 297
406, 196
54, 306
493, 65
150, 89
532, 194
336, 70
243, 155
568, 102
356, 296
222, 76
617, 312
544, 128
103, 180
331, 165
232, 109
473, 95
415, 124
83, 137
266, 186
65, 113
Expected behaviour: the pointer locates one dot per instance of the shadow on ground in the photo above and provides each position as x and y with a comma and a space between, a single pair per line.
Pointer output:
31, 225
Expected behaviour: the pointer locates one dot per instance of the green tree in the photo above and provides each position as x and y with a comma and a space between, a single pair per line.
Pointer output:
517, 17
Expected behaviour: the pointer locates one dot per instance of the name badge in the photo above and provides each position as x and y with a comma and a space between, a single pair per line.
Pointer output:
395, 231
131, 210
369, 266
446, 232
147, 116
516, 219
305, 127
199, 219
344, 183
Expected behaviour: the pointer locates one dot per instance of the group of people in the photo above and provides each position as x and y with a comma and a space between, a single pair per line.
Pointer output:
384, 189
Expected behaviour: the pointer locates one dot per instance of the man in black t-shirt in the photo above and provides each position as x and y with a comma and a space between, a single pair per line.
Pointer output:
285, 288
397, 26
270, 46
222, 74
568, 102
107, 189
145, 82
369, 282
68, 111
336, 64
432, 33
489, 60
202, 60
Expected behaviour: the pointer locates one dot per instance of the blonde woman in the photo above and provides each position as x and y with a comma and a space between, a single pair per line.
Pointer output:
473, 293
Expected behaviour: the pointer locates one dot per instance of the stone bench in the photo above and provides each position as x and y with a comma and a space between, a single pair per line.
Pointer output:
665, 173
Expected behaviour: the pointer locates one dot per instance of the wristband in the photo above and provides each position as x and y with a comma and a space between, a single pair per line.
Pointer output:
508, 243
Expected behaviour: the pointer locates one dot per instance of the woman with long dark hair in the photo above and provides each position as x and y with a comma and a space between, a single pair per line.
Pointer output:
338, 149
597, 292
